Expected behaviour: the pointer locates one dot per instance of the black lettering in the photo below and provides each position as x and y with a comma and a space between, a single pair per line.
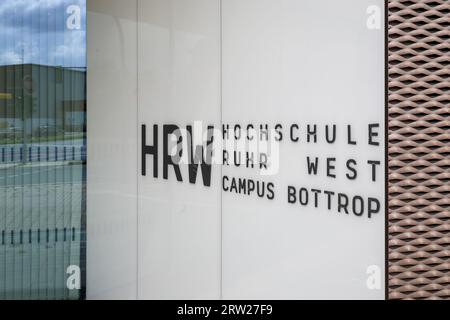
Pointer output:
249, 159
225, 157
312, 133
278, 130
294, 139
303, 196
312, 167
149, 150
237, 160
342, 202
233, 185
331, 166
354, 206
260, 189
195, 158
349, 135
167, 160
251, 186
237, 132
263, 160
263, 131
352, 174
292, 196
373, 206
329, 194
373, 134
271, 192
333, 139
225, 131
249, 127
242, 186
374, 163
316, 196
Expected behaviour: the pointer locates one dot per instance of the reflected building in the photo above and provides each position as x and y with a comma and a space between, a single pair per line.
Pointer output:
42, 181
41, 102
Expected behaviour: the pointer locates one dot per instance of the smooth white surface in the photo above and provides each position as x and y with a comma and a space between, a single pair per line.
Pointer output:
305, 62
179, 82
283, 62
112, 150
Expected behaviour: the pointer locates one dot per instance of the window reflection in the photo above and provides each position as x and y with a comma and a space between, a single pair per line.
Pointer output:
42, 149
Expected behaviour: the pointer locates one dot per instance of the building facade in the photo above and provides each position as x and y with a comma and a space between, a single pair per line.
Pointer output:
224, 149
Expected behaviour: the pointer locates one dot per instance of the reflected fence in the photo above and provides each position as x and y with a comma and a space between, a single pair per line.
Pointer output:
18, 154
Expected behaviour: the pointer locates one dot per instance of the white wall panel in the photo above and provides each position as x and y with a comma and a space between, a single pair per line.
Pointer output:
303, 62
112, 150
179, 83
233, 62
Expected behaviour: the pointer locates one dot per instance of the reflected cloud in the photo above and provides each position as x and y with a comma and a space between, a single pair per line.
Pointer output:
34, 31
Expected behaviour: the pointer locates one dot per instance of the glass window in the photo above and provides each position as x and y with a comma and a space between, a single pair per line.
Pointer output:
42, 149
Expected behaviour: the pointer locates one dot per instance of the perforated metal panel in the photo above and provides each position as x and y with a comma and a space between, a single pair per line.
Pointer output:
419, 149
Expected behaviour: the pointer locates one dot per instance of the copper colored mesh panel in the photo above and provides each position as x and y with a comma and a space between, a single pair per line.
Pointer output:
419, 149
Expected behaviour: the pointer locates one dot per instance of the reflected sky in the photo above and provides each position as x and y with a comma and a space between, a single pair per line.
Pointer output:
46, 32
